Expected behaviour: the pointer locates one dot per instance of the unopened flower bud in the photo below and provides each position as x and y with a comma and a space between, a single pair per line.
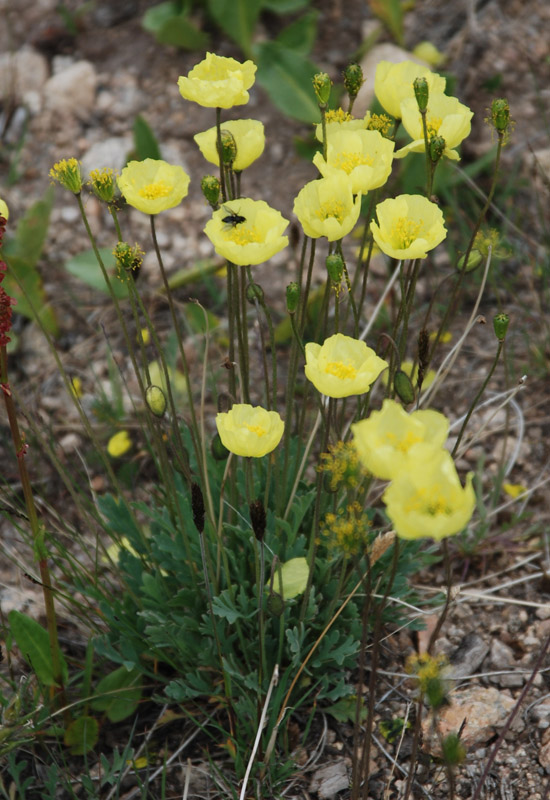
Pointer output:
474, 260
500, 114
322, 85
292, 297
254, 292
156, 400
103, 184
258, 519
218, 450
197, 506
229, 147
353, 80
67, 173
421, 92
335, 267
436, 147
275, 604
403, 387
500, 325
210, 186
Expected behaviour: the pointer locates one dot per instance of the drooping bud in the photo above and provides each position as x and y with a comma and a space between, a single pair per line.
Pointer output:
258, 519
421, 92
229, 147
353, 80
500, 325
197, 506
474, 260
292, 297
254, 292
103, 184
275, 604
335, 267
436, 147
128, 260
403, 387
210, 186
500, 114
322, 85
67, 173
219, 451
156, 400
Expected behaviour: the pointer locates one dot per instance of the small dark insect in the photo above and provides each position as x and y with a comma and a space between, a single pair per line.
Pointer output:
232, 219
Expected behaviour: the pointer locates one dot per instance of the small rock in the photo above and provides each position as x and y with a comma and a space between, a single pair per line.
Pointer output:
467, 657
72, 90
22, 73
330, 779
501, 655
543, 612
111, 152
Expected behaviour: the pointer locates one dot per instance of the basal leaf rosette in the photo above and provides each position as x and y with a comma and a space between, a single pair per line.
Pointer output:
445, 116
427, 498
253, 241
153, 185
393, 83
408, 226
250, 431
218, 82
364, 156
326, 207
387, 440
342, 366
249, 139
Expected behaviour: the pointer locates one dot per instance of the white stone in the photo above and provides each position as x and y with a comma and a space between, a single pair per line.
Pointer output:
73, 90
111, 152
23, 74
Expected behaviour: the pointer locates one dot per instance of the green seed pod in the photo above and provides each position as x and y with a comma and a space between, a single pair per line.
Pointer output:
219, 451
353, 80
275, 604
156, 400
254, 292
453, 750
322, 85
292, 297
229, 147
474, 260
421, 92
500, 114
500, 325
436, 147
403, 387
210, 186
335, 267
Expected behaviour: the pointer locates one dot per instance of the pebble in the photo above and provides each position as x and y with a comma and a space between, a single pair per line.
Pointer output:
24, 73
72, 90
111, 152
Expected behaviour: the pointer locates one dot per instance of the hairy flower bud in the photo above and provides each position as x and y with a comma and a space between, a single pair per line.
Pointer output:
353, 79
322, 85
254, 292
500, 325
421, 92
292, 297
210, 186
403, 387
335, 267
229, 147
474, 260
156, 400
500, 114
436, 148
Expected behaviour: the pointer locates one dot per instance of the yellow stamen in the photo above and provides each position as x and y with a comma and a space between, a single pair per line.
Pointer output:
431, 502
341, 370
242, 235
337, 115
404, 444
348, 161
154, 190
404, 231
332, 208
433, 124
257, 429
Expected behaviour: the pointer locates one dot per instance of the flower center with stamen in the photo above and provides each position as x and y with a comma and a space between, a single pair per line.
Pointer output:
404, 444
155, 190
332, 208
429, 501
257, 429
404, 231
341, 370
242, 235
348, 161
337, 115
433, 124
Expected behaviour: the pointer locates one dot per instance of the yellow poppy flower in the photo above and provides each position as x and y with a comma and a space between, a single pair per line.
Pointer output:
408, 226
342, 366
393, 83
514, 489
364, 156
429, 53
427, 499
248, 430
153, 185
254, 239
4, 210
119, 444
218, 82
445, 116
326, 207
387, 439
339, 120
249, 140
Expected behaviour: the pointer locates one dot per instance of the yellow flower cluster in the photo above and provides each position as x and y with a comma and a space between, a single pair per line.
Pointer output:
347, 530
341, 465
425, 496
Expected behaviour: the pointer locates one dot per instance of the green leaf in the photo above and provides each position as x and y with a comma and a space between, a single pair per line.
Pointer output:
173, 28
34, 643
120, 694
292, 579
237, 18
31, 231
284, 6
81, 736
195, 318
300, 35
287, 78
344, 709
145, 141
29, 293
85, 266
